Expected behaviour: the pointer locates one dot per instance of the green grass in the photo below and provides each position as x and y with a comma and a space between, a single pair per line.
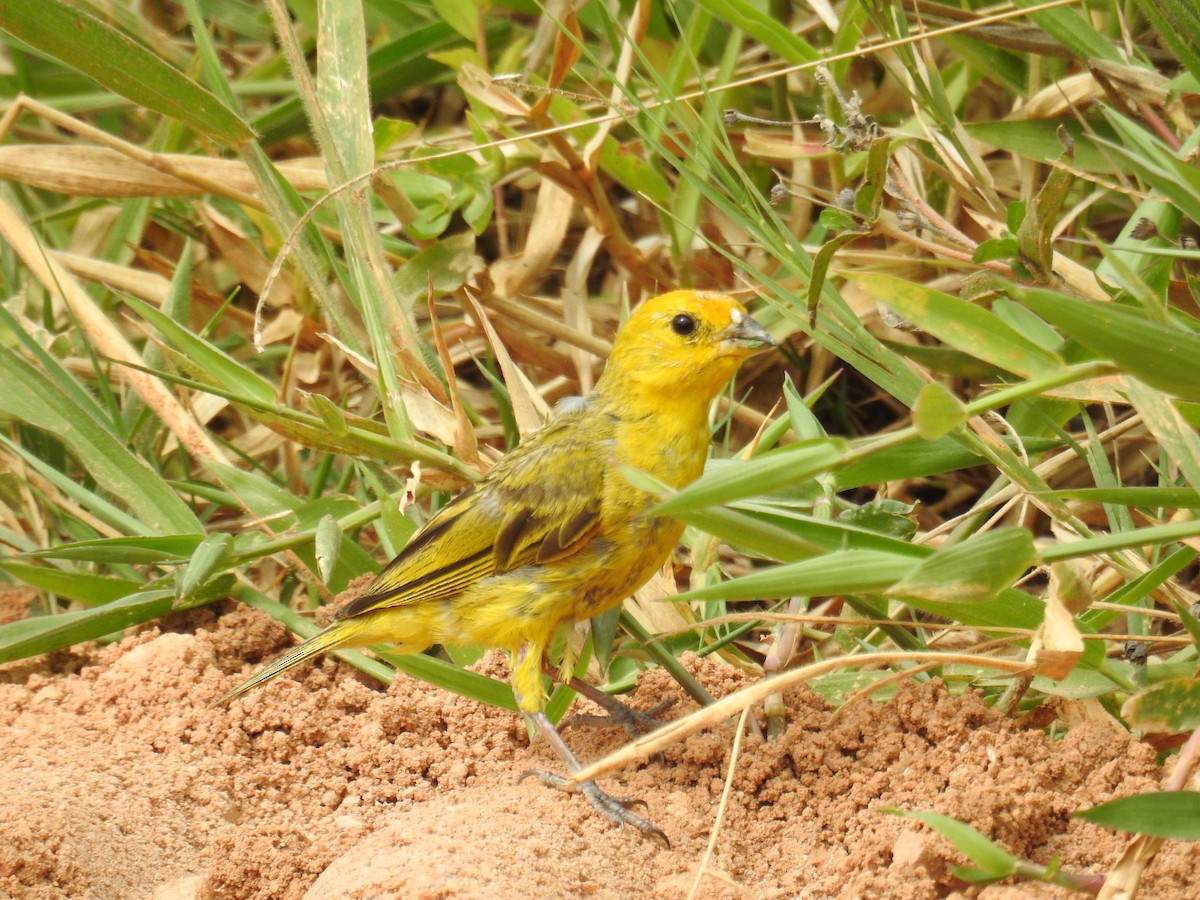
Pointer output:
981, 422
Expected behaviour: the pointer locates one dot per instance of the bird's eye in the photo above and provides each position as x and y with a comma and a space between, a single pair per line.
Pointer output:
683, 325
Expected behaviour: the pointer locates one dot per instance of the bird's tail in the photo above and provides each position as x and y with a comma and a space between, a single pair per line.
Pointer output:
336, 635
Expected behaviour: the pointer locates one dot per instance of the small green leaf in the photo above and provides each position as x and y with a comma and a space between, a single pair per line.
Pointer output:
996, 248
1015, 215
882, 516
821, 263
327, 545
633, 172
1035, 237
937, 412
1165, 814
332, 417
209, 557
994, 861
836, 220
869, 196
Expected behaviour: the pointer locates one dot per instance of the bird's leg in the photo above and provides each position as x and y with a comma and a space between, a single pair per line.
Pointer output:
615, 809
635, 721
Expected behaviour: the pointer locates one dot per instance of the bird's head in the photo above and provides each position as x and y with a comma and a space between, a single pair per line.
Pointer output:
685, 344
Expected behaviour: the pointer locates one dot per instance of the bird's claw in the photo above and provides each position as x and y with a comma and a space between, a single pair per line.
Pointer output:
615, 809
636, 722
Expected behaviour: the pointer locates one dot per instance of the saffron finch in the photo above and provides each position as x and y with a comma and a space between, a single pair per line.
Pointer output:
554, 533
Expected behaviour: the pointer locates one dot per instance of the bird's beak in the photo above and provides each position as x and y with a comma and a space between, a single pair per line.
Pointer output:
746, 335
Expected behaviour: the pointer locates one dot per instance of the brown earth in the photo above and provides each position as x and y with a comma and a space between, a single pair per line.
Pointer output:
120, 781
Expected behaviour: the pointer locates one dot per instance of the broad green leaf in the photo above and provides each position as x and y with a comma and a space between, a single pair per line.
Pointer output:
261, 497
341, 83
84, 587
126, 550
1038, 140
81, 41
771, 472
1163, 357
44, 634
837, 687
461, 15
27, 395
772, 32
214, 364
1135, 496
847, 532
847, 572
446, 265
975, 571
750, 533
1170, 706
1177, 25
1177, 439
891, 518
634, 172
1074, 31
963, 325
1165, 814
917, 459
1157, 163
996, 248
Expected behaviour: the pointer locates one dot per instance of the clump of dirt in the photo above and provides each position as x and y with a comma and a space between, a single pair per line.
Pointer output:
120, 780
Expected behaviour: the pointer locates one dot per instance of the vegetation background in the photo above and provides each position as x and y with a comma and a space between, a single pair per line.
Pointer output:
279, 279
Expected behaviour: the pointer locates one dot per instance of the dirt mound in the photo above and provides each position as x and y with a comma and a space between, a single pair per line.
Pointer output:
119, 779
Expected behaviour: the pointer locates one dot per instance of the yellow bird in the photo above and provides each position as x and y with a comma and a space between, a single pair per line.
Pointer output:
554, 533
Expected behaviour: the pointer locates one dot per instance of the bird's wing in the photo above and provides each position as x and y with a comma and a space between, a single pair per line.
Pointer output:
539, 503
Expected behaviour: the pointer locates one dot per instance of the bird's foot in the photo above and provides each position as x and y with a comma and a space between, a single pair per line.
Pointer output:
636, 722
615, 809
